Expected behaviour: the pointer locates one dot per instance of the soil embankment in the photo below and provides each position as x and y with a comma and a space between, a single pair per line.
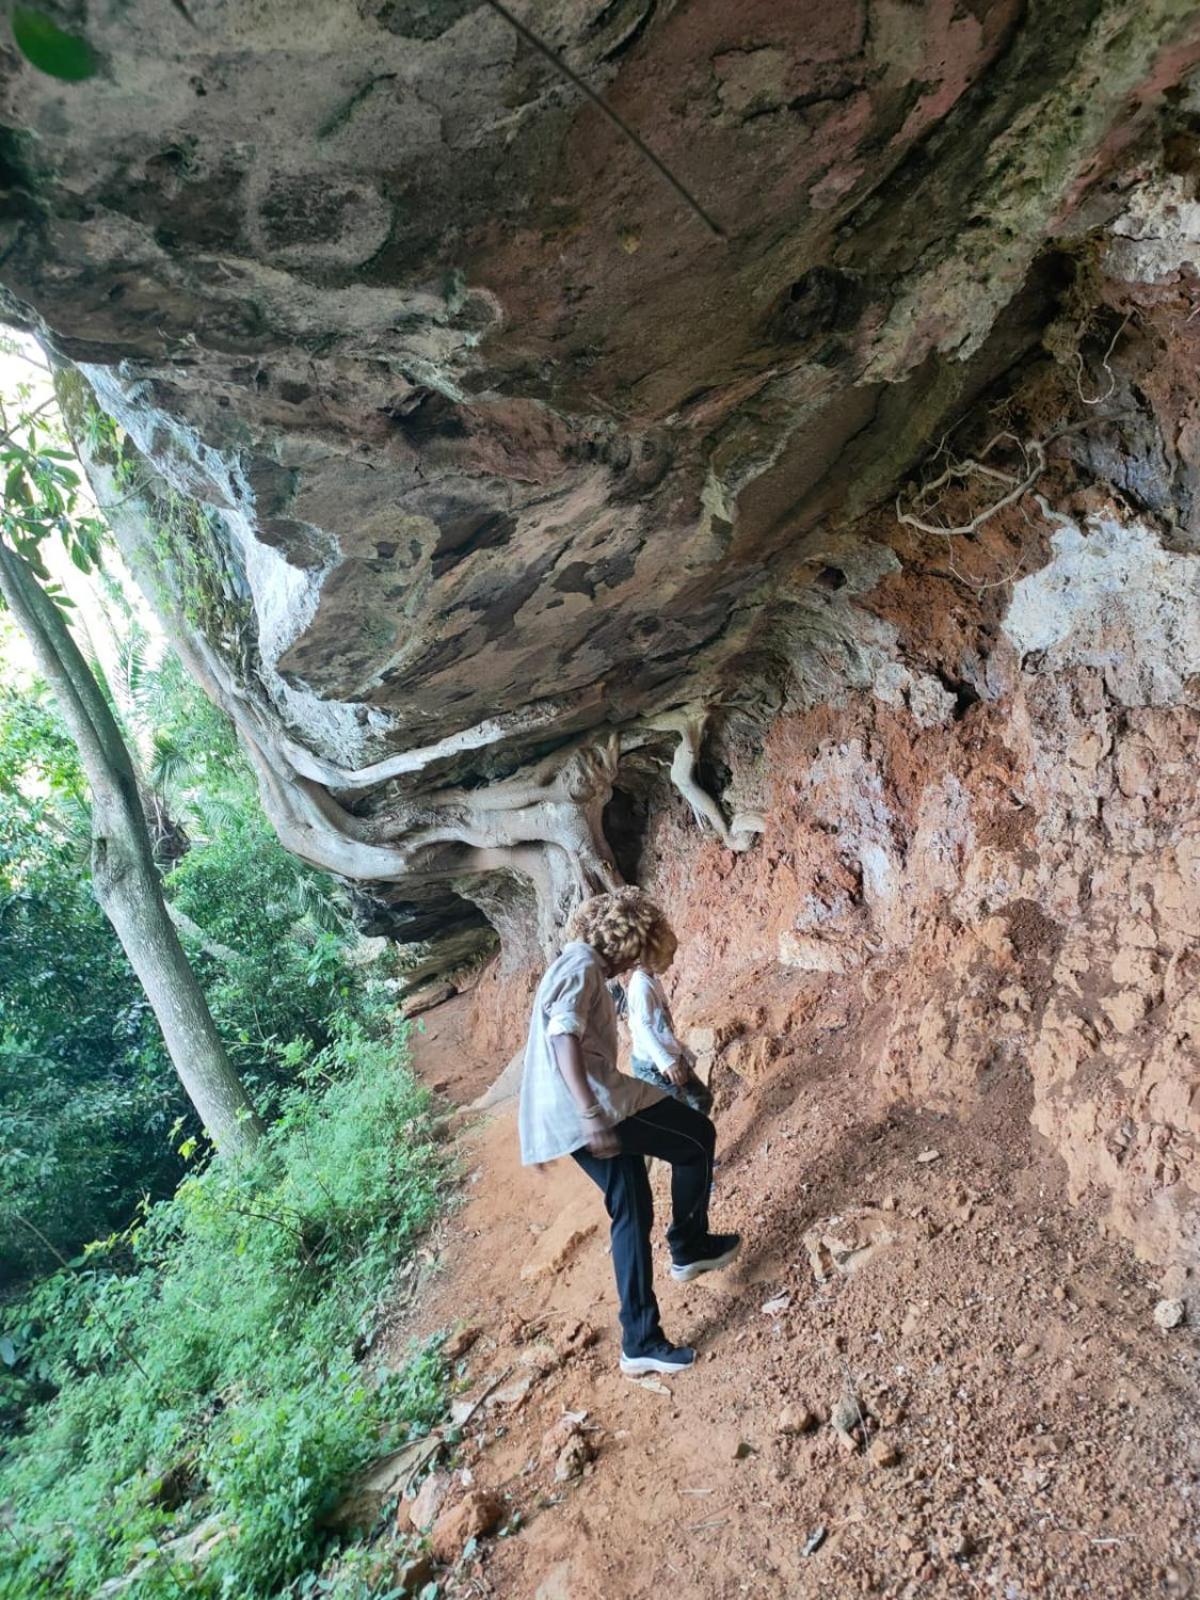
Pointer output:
1032, 1427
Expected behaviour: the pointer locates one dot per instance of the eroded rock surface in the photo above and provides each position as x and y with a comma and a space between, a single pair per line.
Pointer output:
528, 518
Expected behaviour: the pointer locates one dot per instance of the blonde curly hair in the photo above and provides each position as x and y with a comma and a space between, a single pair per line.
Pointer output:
627, 928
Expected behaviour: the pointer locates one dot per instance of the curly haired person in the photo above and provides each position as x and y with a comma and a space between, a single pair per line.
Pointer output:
574, 1102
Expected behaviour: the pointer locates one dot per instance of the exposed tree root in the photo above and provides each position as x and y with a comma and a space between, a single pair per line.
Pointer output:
524, 848
928, 497
739, 833
1111, 387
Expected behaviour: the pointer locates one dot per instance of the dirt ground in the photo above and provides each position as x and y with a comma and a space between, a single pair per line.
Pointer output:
1033, 1430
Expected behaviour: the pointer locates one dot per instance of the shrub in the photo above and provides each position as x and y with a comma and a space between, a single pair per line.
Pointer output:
206, 1364
87, 1093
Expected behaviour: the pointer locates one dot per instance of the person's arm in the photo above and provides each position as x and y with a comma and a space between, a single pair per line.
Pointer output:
686, 1063
651, 1028
679, 1071
568, 1057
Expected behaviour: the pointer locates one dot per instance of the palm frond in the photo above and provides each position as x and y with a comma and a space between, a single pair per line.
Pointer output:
137, 670
213, 814
168, 767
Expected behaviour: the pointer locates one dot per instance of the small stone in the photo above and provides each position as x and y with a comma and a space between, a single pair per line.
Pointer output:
1174, 1281
814, 1541
1169, 1313
891, 1413
572, 1458
843, 1419
573, 1337
1024, 1350
795, 1419
928, 1156
652, 1386
888, 1203
459, 1343
541, 1355
883, 1453
556, 1439
476, 1514
512, 1394
413, 1574
743, 1450
845, 1414
955, 1543
423, 1511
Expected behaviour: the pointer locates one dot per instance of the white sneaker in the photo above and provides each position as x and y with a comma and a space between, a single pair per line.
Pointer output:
671, 1358
722, 1249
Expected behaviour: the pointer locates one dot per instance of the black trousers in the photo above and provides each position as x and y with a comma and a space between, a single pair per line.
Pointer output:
685, 1139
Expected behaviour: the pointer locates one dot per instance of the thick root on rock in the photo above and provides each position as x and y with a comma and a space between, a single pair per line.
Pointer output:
739, 833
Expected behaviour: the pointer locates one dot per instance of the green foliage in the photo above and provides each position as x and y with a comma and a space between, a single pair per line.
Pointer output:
284, 922
42, 494
193, 755
46, 46
200, 1370
196, 569
289, 976
205, 1364
98, 431
86, 1093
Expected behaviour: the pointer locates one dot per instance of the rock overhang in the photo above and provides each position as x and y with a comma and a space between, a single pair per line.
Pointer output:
504, 447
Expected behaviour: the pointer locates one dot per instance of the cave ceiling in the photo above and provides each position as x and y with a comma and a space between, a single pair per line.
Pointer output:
504, 440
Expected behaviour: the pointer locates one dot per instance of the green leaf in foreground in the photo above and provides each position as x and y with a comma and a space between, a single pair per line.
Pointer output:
47, 47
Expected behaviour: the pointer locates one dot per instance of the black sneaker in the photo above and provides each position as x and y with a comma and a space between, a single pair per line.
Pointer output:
667, 1358
717, 1251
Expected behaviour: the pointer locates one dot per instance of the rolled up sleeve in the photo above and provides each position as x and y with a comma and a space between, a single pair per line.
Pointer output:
568, 1004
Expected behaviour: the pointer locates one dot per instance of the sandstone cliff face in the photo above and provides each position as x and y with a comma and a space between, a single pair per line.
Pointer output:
999, 899
507, 500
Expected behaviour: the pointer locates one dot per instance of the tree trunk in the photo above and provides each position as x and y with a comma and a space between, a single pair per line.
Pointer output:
124, 876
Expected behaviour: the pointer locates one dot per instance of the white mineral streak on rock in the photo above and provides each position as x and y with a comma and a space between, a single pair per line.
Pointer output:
1112, 598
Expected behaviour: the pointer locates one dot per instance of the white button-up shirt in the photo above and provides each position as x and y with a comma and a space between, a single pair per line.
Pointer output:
650, 1026
573, 998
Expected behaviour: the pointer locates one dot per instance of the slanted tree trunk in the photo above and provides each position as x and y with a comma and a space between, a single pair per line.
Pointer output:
124, 875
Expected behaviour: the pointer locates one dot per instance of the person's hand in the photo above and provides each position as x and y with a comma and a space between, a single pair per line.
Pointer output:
677, 1073
603, 1143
